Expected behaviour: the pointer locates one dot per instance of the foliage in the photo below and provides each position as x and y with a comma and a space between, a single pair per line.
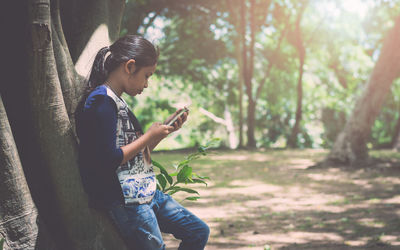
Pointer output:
171, 183
200, 57
1, 243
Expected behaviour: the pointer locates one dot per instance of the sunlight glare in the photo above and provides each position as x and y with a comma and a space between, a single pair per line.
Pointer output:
358, 7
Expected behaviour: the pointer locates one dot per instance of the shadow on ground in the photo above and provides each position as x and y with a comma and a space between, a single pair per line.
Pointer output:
274, 200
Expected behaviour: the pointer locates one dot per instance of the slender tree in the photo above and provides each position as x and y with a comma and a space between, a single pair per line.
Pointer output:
351, 144
301, 51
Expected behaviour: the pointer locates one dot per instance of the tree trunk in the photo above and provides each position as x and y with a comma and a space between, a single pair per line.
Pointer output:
350, 145
244, 69
240, 45
251, 141
81, 20
301, 51
292, 142
18, 213
40, 100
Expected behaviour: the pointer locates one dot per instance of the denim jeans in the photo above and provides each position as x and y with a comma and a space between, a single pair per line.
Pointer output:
141, 225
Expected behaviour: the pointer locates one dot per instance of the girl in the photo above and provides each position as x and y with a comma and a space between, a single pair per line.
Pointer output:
114, 153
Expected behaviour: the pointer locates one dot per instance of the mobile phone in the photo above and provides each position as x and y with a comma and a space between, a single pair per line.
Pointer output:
177, 116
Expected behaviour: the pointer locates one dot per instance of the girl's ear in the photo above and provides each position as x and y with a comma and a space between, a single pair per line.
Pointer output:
130, 66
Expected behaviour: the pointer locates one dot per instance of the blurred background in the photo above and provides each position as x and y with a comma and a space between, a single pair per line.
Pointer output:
266, 74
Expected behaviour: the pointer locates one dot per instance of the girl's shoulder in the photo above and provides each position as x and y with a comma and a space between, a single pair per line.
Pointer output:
99, 96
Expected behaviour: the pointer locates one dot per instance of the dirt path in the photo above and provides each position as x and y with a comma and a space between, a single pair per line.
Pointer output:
273, 200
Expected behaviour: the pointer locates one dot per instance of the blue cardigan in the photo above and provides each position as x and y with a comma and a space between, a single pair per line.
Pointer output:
96, 125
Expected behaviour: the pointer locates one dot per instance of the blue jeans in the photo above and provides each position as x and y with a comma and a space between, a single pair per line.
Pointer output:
141, 225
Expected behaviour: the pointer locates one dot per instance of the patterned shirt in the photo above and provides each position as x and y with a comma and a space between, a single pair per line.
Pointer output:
136, 176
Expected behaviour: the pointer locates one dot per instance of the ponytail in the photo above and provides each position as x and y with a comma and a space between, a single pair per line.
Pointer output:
98, 73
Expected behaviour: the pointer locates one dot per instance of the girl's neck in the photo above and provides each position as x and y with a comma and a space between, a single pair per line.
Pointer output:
111, 84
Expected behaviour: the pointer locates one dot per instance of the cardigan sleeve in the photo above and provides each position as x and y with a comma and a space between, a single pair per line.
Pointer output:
103, 114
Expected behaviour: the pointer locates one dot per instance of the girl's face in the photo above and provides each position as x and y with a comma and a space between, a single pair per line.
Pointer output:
136, 82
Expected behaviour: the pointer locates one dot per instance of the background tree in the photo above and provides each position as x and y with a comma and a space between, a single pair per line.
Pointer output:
299, 44
351, 144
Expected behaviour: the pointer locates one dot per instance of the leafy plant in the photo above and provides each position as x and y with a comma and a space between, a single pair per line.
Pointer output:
183, 174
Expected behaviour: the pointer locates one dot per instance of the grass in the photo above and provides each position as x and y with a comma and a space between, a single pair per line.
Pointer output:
271, 198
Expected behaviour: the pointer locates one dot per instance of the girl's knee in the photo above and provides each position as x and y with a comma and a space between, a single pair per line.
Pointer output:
202, 234
206, 231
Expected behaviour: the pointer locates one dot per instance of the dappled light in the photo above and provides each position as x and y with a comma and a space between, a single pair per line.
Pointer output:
286, 205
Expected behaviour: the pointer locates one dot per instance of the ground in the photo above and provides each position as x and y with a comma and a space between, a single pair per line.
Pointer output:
275, 199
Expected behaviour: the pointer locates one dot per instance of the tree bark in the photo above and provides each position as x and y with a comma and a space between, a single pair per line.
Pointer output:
40, 97
18, 213
84, 228
351, 144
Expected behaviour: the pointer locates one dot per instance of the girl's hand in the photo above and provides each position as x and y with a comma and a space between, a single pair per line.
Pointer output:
179, 122
159, 131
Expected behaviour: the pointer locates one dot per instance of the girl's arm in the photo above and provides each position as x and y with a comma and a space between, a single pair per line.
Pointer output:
177, 125
154, 144
133, 148
153, 136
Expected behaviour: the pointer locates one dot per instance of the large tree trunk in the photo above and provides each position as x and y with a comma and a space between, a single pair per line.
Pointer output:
18, 213
350, 145
40, 96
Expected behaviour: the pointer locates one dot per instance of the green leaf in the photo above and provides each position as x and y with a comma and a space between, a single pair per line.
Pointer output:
172, 189
192, 198
162, 181
172, 192
184, 174
201, 177
181, 189
163, 171
199, 181
188, 190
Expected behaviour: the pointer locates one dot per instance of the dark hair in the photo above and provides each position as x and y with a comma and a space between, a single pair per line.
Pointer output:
125, 48
109, 58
